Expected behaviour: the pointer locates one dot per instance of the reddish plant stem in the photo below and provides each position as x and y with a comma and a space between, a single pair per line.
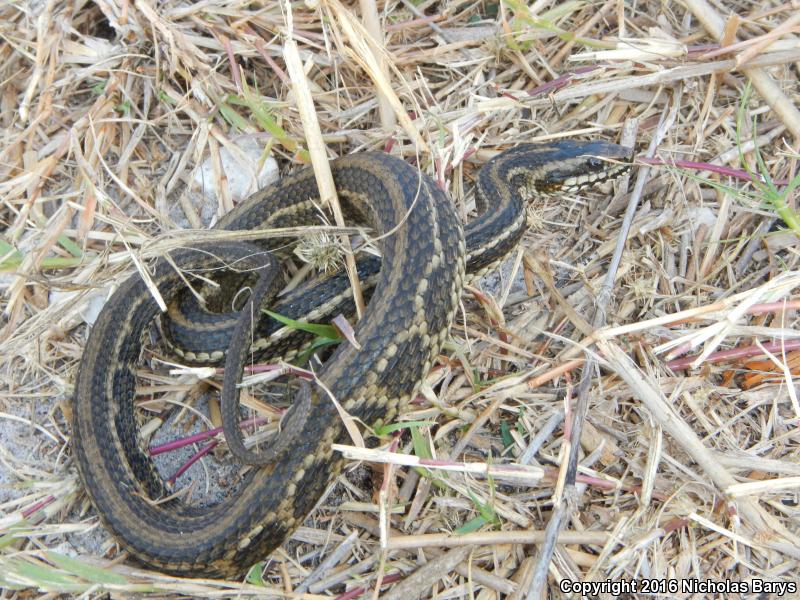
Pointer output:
199, 437
37, 506
237, 79
413, 23
268, 368
701, 48
767, 307
736, 353
467, 153
560, 82
197, 456
700, 166
675, 524
356, 592
262, 50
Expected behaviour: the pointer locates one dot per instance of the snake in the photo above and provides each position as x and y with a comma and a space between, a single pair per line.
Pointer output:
426, 257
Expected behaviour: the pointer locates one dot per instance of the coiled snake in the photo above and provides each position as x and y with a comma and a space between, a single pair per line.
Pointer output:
417, 283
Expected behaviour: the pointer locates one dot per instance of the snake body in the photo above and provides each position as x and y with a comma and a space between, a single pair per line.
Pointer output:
415, 288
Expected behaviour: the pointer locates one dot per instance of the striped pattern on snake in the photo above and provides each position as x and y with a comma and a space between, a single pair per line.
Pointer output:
415, 286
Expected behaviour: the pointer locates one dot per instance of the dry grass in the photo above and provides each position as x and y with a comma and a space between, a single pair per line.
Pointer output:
546, 419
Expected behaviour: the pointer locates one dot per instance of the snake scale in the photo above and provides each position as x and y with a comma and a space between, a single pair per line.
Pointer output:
415, 286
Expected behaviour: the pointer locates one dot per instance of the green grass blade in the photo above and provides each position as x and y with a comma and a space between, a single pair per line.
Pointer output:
471, 526
323, 331
42, 576
420, 444
85, 571
254, 574
391, 428
505, 432
70, 246
233, 118
318, 343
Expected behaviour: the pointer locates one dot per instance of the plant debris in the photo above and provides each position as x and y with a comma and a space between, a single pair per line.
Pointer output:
616, 402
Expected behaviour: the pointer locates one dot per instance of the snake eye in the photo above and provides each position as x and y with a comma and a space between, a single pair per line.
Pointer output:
595, 162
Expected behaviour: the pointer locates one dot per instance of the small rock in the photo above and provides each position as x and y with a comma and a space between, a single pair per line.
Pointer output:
87, 310
242, 172
701, 215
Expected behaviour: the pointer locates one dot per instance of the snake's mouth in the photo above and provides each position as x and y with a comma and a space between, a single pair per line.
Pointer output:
579, 165
577, 182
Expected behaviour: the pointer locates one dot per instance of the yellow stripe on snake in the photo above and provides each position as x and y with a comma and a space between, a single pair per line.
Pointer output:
415, 287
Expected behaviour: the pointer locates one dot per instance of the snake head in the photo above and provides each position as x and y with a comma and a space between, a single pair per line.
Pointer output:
574, 165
